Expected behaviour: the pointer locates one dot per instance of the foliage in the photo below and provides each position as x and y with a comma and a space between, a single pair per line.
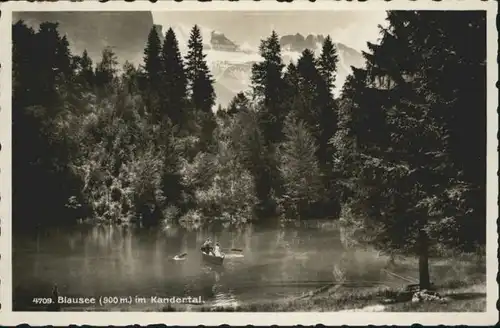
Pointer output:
230, 195
400, 129
300, 170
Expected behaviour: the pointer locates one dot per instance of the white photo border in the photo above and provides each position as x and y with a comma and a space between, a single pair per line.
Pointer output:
7, 317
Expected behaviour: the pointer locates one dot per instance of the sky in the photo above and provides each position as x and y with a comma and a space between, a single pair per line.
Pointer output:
352, 28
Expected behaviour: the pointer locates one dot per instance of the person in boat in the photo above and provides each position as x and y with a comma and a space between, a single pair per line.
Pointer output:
217, 252
207, 246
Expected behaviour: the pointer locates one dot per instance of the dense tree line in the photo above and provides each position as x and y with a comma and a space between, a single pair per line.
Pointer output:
399, 156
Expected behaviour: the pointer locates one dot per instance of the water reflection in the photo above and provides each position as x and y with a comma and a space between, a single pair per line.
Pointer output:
127, 261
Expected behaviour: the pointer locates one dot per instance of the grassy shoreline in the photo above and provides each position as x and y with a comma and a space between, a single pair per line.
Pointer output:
464, 299
460, 279
467, 299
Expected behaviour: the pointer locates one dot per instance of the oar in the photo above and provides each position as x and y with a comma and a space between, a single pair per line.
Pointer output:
236, 250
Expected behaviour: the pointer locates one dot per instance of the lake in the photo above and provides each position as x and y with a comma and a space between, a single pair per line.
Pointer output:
124, 261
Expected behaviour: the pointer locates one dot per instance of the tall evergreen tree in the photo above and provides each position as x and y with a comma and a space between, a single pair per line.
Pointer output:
309, 83
268, 87
174, 83
152, 58
199, 76
200, 86
403, 114
328, 118
153, 73
327, 63
316, 107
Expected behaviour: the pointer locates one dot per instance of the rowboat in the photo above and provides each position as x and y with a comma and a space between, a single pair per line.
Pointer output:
212, 259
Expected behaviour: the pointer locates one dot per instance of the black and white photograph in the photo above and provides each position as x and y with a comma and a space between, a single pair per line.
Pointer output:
252, 161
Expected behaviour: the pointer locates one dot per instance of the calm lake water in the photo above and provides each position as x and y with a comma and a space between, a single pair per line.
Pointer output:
93, 261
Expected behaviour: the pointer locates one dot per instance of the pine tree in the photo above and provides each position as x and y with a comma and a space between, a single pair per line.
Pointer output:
174, 83
402, 109
327, 63
268, 87
309, 83
153, 72
328, 117
198, 75
200, 86
152, 59
316, 107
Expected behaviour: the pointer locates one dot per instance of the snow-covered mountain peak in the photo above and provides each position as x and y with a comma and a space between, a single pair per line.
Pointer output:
211, 38
231, 63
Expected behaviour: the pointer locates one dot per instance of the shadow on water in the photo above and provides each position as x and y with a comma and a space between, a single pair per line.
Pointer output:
93, 261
